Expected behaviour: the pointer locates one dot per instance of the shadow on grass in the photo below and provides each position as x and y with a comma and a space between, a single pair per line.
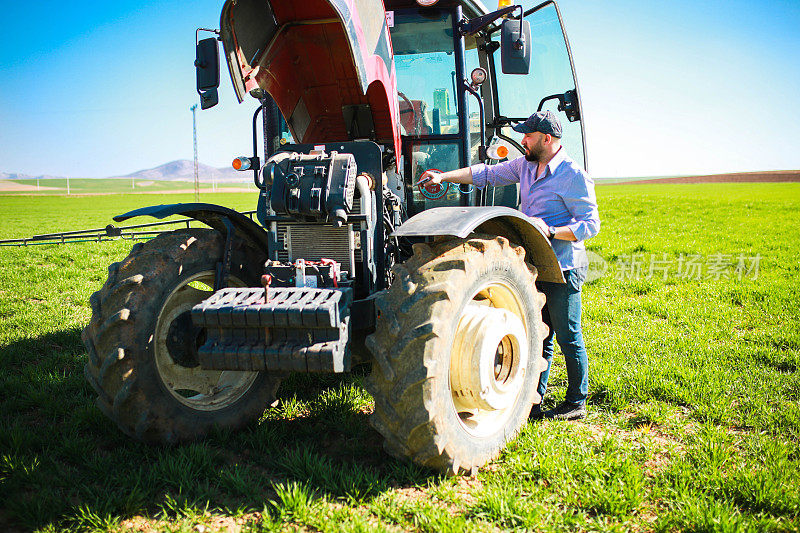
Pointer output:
33, 350
63, 463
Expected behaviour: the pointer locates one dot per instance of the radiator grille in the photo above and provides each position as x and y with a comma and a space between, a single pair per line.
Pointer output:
314, 242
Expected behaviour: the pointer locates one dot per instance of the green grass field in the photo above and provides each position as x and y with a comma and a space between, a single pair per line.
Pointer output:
82, 186
694, 421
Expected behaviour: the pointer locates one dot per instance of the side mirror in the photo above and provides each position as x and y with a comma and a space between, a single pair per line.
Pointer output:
207, 66
209, 98
515, 46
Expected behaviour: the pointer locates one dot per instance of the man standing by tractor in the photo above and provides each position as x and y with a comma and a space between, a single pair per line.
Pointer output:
559, 196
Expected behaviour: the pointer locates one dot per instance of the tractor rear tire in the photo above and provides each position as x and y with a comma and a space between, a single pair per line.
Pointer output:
142, 344
457, 353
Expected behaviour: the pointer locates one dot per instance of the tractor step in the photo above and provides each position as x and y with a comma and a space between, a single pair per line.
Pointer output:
296, 329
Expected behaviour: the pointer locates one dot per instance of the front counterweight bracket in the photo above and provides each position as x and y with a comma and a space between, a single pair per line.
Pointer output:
296, 329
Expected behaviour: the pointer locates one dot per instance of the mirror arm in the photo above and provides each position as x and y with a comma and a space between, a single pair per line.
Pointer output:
567, 103
559, 97
471, 26
209, 30
520, 44
501, 121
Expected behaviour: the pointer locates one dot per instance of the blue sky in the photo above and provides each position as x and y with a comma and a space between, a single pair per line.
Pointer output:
99, 89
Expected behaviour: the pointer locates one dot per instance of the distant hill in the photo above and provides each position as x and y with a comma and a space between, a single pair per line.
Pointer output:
20, 176
183, 170
180, 170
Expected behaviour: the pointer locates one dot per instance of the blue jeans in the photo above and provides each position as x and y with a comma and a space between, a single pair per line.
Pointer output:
562, 314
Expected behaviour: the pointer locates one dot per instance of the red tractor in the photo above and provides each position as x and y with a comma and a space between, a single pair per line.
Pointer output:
350, 261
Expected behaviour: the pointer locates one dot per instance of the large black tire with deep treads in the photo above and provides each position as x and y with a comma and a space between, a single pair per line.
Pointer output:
447, 308
142, 344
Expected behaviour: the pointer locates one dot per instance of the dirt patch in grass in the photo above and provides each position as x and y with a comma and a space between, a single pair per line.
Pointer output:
139, 523
737, 177
658, 463
411, 494
649, 432
212, 523
466, 488
12, 186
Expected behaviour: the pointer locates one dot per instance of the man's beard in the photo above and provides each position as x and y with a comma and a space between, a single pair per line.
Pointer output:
532, 156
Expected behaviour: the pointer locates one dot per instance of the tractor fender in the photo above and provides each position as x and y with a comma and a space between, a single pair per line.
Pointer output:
496, 220
209, 214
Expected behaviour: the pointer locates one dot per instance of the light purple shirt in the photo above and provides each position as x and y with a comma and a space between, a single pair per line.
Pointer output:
562, 196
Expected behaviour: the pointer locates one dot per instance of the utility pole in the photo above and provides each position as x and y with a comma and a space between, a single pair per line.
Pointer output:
194, 134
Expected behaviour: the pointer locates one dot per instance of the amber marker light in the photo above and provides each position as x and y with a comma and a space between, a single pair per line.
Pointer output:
504, 3
241, 163
498, 151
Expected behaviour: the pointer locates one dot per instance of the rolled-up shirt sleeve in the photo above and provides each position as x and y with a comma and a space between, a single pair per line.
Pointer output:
581, 202
504, 173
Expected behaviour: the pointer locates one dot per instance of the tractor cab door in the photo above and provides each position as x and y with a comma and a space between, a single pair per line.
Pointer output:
429, 61
550, 84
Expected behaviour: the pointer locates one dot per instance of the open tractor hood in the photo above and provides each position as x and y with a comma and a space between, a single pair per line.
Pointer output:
328, 64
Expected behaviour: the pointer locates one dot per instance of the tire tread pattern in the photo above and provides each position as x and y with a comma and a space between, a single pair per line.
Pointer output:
413, 315
119, 342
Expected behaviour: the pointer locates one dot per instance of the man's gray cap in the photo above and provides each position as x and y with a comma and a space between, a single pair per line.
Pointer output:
541, 121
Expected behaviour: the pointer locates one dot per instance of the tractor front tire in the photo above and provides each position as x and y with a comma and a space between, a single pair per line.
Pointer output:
457, 353
142, 344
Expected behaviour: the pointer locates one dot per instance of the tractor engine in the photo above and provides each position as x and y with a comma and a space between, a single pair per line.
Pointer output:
313, 188
320, 211
316, 216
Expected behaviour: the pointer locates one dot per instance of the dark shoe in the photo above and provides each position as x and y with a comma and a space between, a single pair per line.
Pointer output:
536, 412
566, 411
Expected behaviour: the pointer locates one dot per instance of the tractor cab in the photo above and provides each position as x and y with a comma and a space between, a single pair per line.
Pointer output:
440, 118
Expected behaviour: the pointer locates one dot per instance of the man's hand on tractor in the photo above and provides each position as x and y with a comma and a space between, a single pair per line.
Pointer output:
541, 224
430, 177
462, 175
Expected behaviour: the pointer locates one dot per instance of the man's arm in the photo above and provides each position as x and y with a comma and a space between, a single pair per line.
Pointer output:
581, 202
462, 175
480, 175
564, 233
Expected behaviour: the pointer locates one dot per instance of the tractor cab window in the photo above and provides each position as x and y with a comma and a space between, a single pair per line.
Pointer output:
424, 58
550, 75
423, 41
